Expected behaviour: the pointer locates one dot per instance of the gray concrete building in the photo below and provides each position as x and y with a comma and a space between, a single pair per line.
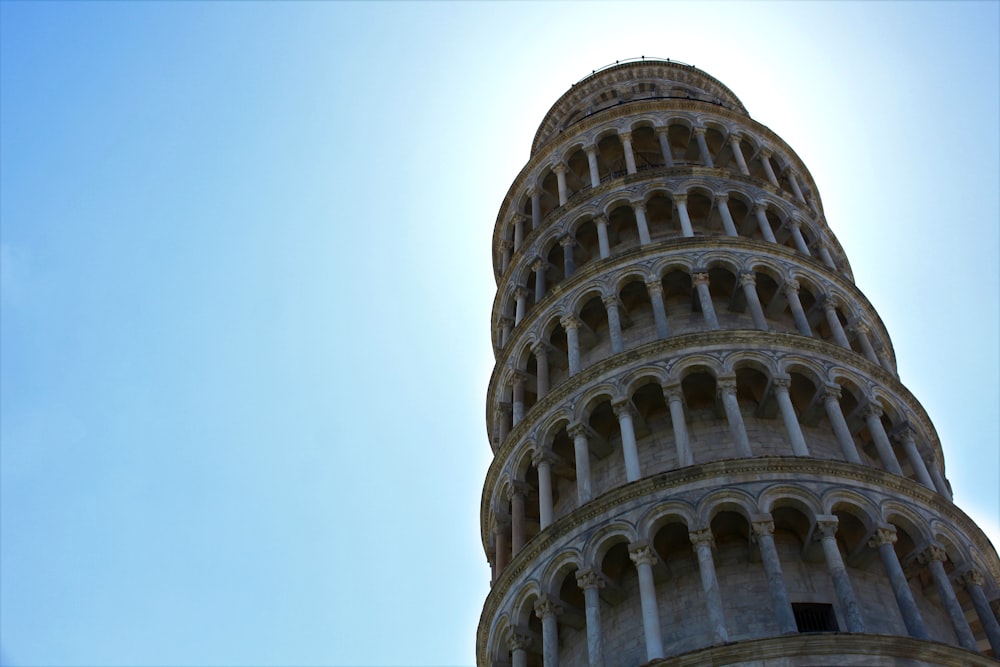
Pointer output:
703, 454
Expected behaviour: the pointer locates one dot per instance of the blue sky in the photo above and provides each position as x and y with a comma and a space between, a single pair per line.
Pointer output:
245, 287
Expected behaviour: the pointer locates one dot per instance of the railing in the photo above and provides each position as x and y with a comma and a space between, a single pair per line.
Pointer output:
640, 59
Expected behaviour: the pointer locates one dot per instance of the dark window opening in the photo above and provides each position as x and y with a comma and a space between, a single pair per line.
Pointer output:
814, 617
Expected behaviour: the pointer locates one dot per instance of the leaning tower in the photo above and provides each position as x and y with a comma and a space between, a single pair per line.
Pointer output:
702, 451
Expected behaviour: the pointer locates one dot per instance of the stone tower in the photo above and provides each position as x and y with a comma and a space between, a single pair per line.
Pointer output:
702, 451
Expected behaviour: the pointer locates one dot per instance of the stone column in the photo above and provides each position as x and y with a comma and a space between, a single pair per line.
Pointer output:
520, 294
705, 299
505, 254
501, 529
519, 221
727, 389
861, 331
668, 157
800, 243
839, 337
722, 201
973, 581
765, 160
595, 175
591, 582
630, 451
873, 412
791, 290
706, 157
541, 352
682, 214
796, 189
501, 425
933, 556
826, 533
703, 544
831, 401
506, 324
536, 207
937, 474
760, 210
560, 170
741, 162
644, 559
581, 452
908, 438
570, 326
569, 263
614, 324
824, 254
602, 236
763, 530
542, 459
748, 281
640, 221
675, 399
517, 398
781, 386
885, 537
626, 138
547, 610
539, 266
655, 289
517, 492
519, 644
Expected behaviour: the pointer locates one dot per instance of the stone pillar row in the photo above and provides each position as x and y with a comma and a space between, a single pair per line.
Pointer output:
591, 581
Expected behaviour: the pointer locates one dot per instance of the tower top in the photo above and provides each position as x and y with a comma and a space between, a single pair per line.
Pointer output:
633, 80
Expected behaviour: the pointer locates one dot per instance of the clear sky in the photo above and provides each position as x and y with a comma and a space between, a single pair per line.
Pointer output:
246, 285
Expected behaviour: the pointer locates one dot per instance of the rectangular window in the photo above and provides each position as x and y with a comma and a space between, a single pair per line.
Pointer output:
814, 617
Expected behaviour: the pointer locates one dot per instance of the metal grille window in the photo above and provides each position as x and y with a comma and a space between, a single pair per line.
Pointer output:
815, 617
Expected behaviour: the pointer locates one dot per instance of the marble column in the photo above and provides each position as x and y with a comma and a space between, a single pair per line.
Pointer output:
644, 559
800, 243
518, 644
614, 324
741, 162
581, 453
706, 156
568, 243
520, 294
536, 207
541, 352
791, 291
560, 170
519, 221
908, 438
539, 266
505, 254
703, 544
748, 281
836, 328
781, 386
595, 175
796, 188
933, 556
675, 399
602, 236
517, 398
861, 331
873, 414
571, 326
722, 202
760, 210
592, 582
516, 493
501, 531
765, 161
824, 254
885, 537
626, 138
630, 451
682, 215
640, 221
937, 474
737, 430
542, 459
668, 157
506, 324
655, 290
826, 533
831, 401
973, 581
547, 609
763, 530
700, 280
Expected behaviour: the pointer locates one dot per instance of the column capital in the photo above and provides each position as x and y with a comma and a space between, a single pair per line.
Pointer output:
654, 288
506, 321
826, 525
873, 409
590, 148
560, 168
702, 536
673, 391
722, 199
662, 129
517, 378
831, 391
589, 578
760, 206
766, 152
538, 264
518, 488
860, 327
679, 198
533, 191
522, 217
639, 205
733, 137
520, 291
501, 523
546, 606
829, 302
762, 525
576, 429
726, 384
748, 278
907, 434
610, 300
625, 136
540, 348
791, 285
600, 219
569, 322
506, 244
781, 382
699, 130
518, 641
641, 554
932, 552
622, 406
970, 577
883, 535
567, 240
543, 456
794, 223
700, 278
